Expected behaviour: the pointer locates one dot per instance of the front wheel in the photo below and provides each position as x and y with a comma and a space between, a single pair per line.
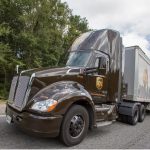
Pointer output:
75, 125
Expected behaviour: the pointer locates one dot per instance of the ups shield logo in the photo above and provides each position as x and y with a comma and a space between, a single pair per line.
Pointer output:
99, 83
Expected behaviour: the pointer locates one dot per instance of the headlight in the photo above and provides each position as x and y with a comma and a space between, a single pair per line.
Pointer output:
45, 105
47, 99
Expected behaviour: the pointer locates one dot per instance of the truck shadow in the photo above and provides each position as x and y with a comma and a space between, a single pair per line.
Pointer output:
148, 112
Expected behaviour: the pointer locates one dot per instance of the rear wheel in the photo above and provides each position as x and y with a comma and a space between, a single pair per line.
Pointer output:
135, 117
141, 113
75, 125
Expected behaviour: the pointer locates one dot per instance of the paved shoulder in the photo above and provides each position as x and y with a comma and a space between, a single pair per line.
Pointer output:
2, 108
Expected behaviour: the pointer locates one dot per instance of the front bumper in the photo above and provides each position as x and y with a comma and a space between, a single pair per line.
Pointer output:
36, 124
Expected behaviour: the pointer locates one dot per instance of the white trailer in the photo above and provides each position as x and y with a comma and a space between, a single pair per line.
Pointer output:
137, 75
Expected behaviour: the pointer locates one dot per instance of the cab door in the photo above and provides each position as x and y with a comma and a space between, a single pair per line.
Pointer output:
97, 82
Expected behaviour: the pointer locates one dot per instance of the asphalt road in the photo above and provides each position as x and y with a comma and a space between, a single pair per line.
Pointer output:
117, 135
2, 108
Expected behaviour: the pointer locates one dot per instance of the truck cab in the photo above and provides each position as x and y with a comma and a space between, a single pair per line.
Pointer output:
67, 102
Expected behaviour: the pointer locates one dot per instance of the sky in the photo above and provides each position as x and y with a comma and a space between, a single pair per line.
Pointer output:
130, 17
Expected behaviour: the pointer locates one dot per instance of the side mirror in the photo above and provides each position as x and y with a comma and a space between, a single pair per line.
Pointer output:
100, 61
103, 65
89, 70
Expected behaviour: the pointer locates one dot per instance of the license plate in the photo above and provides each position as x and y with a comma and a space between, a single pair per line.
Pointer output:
8, 119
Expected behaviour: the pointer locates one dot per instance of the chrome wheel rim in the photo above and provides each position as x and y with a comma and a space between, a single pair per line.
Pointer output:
77, 124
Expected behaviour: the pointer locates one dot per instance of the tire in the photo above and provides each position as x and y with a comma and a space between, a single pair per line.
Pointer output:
142, 113
134, 119
124, 118
75, 125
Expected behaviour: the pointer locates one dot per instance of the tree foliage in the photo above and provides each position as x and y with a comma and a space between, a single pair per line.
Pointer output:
35, 33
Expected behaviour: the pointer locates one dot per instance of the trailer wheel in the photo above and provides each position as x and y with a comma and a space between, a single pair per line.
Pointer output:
141, 113
75, 125
134, 119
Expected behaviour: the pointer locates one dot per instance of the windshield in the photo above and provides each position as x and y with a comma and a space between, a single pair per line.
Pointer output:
79, 58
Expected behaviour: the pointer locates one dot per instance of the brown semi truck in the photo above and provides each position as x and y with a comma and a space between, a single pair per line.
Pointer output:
102, 82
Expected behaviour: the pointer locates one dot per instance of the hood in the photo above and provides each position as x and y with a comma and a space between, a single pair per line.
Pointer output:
44, 72
46, 76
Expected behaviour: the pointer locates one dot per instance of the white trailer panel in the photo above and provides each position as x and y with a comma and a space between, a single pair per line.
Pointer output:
137, 75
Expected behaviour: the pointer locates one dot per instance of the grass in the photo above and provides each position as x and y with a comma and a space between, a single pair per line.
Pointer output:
2, 101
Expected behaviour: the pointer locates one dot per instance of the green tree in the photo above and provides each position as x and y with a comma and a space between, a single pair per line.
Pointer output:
35, 33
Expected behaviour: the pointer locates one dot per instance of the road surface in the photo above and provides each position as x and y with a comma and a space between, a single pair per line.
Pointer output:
117, 135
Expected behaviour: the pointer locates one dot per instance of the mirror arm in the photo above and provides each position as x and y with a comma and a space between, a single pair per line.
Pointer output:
90, 70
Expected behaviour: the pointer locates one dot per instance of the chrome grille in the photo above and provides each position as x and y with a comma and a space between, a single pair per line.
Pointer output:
20, 87
21, 90
12, 89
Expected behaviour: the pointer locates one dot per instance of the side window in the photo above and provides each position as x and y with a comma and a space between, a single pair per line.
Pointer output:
96, 62
102, 64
